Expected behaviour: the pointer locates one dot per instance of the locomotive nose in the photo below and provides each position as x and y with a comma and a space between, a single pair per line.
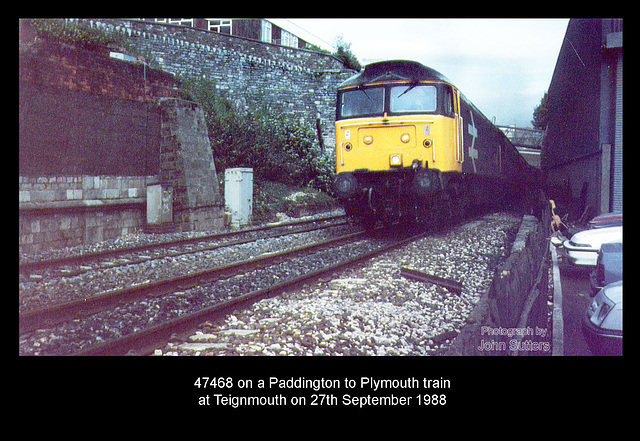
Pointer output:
346, 186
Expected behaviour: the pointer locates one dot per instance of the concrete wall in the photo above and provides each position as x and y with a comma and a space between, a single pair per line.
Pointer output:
581, 143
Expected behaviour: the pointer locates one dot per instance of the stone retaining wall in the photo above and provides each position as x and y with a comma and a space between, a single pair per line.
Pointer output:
187, 167
300, 82
511, 317
62, 211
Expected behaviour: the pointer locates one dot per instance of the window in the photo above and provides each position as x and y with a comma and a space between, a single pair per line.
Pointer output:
265, 34
220, 25
448, 101
360, 102
288, 39
413, 98
177, 21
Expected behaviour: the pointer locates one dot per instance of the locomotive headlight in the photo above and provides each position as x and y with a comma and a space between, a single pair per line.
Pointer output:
405, 138
395, 160
367, 140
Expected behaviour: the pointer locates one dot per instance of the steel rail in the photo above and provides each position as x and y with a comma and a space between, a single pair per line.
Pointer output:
452, 285
26, 267
145, 341
59, 313
231, 243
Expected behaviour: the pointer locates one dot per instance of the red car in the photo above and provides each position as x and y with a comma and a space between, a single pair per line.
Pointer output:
606, 220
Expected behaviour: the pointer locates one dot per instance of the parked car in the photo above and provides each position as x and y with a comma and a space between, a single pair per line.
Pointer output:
602, 321
606, 220
563, 231
583, 247
608, 267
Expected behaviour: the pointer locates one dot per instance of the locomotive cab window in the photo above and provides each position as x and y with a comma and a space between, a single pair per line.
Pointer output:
448, 101
413, 98
361, 102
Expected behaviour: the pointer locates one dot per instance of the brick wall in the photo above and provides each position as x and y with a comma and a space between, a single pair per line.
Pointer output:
81, 112
92, 71
89, 142
90, 125
62, 211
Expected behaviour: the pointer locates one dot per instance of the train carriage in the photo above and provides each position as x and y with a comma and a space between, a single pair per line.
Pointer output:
409, 145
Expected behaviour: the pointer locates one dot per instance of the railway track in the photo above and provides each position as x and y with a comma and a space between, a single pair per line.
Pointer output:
69, 318
109, 257
58, 313
140, 318
80, 276
143, 342
376, 307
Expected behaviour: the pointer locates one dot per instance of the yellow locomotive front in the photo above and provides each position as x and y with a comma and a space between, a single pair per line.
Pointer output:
397, 131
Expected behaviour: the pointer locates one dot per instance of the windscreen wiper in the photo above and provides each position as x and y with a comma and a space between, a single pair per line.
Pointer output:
410, 87
365, 93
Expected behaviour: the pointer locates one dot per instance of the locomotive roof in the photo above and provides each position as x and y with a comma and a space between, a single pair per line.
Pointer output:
398, 70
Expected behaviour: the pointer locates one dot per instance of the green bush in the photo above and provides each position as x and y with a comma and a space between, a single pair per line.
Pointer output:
78, 34
344, 54
278, 147
82, 35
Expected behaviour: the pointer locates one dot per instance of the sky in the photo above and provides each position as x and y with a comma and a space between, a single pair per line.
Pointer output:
503, 66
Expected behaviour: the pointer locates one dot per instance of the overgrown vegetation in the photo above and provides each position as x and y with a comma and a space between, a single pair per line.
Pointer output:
344, 54
277, 146
82, 35
541, 113
78, 34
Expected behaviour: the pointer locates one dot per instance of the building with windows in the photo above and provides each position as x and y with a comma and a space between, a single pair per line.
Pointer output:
582, 147
253, 28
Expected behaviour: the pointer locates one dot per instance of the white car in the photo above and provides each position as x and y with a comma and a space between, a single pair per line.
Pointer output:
602, 321
582, 249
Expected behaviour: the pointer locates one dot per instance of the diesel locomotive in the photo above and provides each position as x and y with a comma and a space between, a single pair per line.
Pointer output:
410, 146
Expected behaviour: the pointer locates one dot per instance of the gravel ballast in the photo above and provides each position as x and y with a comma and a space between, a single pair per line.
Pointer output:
367, 310
370, 309
50, 286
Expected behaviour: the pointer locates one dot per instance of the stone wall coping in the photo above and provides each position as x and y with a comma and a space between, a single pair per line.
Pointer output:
87, 203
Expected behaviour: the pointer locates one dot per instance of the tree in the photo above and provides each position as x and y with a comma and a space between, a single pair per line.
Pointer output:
344, 54
541, 113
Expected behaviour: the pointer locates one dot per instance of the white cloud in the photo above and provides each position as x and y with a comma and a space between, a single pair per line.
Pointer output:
503, 66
